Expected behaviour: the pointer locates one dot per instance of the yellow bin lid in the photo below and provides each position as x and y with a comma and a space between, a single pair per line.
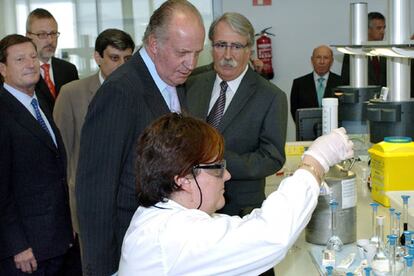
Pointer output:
395, 146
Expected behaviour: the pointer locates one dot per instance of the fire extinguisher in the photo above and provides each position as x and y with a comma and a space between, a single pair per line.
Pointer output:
264, 53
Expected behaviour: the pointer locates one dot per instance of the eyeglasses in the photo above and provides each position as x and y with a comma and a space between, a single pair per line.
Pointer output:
234, 47
45, 35
214, 169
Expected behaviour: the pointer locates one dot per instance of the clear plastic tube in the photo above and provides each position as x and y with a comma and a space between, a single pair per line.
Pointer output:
392, 214
392, 239
397, 224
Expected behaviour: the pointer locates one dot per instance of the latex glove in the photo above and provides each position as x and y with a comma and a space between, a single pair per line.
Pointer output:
332, 148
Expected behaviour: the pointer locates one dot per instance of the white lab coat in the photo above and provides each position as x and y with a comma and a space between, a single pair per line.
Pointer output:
169, 239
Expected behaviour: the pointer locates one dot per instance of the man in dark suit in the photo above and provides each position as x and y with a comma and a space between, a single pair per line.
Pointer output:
254, 117
377, 66
42, 28
35, 226
141, 90
308, 90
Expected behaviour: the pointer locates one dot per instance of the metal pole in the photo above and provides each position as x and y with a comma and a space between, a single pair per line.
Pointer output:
358, 75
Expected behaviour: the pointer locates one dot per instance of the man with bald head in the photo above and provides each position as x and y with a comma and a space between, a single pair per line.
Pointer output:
146, 87
308, 90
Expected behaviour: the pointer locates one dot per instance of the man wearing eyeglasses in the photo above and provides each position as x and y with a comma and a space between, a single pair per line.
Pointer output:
252, 117
42, 28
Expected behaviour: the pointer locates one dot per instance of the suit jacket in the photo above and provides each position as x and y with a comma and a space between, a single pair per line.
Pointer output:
34, 207
304, 95
254, 130
69, 114
63, 72
372, 79
126, 103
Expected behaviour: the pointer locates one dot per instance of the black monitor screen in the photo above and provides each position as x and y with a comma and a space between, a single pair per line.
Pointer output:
308, 124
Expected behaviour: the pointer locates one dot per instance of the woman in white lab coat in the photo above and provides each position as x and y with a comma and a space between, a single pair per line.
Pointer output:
180, 181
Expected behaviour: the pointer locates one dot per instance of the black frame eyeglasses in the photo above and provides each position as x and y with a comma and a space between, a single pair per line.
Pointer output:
44, 35
234, 47
215, 169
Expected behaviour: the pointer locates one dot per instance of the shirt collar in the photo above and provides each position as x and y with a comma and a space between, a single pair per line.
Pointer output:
233, 84
316, 76
19, 95
151, 68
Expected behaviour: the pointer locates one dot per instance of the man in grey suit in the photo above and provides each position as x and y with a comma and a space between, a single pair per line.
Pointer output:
254, 118
113, 48
138, 92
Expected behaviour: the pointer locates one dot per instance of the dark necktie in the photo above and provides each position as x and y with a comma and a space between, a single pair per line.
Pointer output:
39, 118
377, 69
217, 111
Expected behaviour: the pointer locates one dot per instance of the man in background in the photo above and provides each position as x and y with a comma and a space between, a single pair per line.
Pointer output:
42, 28
143, 89
252, 113
113, 48
308, 90
377, 66
35, 226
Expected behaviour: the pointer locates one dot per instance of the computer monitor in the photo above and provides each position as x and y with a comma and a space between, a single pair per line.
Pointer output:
308, 124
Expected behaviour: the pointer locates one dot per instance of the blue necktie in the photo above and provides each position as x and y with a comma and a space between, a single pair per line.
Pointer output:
217, 110
320, 89
39, 118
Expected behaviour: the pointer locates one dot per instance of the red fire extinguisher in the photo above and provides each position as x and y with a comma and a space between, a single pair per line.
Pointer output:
264, 53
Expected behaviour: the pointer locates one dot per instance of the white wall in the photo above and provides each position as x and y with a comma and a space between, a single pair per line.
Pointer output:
300, 26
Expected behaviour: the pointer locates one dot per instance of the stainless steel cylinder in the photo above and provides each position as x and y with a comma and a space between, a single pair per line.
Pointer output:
358, 65
398, 69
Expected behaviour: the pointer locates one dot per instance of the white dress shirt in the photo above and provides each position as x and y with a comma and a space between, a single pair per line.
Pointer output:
26, 100
169, 239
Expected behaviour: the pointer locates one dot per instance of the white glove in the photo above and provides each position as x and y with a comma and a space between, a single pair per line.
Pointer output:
331, 148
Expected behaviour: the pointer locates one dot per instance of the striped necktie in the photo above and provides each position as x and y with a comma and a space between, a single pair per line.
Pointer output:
217, 111
39, 117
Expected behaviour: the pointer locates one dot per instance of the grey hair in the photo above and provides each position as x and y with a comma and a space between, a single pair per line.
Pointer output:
239, 23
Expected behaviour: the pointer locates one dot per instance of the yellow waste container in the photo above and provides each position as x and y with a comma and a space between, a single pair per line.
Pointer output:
392, 167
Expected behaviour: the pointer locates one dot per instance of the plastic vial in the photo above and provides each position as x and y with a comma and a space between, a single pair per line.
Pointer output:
329, 270
334, 242
367, 270
392, 214
405, 217
374, 237
408, 268
329, 114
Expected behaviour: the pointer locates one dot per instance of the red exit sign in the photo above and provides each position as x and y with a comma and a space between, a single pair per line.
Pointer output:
262, 2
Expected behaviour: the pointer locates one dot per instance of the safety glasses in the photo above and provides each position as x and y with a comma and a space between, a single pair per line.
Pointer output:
215, 169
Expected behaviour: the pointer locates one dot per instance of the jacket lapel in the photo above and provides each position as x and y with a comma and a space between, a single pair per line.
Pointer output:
151, 94
26, 120
246, 89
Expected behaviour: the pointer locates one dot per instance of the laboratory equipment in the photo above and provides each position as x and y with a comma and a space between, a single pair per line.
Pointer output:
397, 224
380, 262
405, 218
374, 238
367, 271
391, 167
329, 114
392, 214
342, 187
334, 242
329, 270
408, 268
349, 274
396, 115
407, 237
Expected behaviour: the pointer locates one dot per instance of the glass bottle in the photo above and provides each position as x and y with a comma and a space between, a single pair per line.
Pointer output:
392, 214
408, 268
329, 270
374, 237
367, 271
397, 224
334, 242
392, 240
380, 262
404, 217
